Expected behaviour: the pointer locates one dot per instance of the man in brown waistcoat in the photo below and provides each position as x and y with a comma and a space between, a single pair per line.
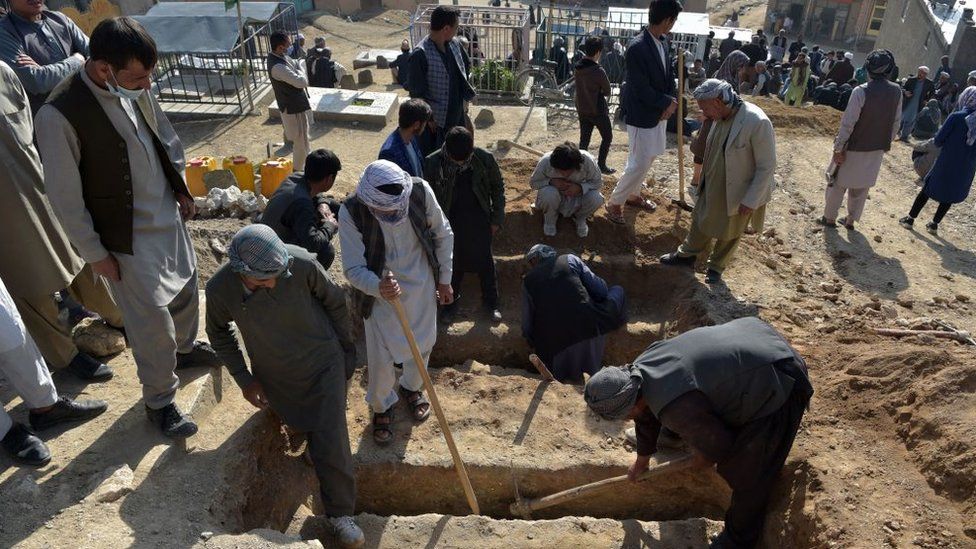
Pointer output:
869, 124
113, 169
40, 260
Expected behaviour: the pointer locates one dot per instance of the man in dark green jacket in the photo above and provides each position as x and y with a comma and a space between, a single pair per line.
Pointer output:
469, 188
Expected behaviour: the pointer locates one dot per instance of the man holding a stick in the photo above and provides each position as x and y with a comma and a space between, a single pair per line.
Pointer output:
735, 393
396, 245
292, 318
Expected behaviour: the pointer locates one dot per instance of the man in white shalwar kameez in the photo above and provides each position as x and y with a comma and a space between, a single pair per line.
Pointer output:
870, 123
396, 243
113, 171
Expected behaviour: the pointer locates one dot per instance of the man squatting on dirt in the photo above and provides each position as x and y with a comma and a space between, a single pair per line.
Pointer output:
396, 244
294, 323
735, 393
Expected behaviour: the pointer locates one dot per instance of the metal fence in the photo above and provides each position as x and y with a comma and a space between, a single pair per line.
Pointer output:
219, 78
495, 39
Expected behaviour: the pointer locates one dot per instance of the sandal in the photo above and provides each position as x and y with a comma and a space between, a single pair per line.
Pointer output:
641, 203
418, 403
822, 220
382, 427
616, 218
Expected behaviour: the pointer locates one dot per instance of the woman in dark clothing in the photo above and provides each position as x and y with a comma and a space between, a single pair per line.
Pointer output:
928, 121
952, 176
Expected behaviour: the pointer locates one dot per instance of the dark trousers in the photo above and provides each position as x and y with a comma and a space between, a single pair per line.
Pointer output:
329, 449
754, 465
920, 201
603, 125
489, 285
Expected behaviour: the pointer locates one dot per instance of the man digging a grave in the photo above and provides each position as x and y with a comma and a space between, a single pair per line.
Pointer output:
735, 393
292, 318
396, 245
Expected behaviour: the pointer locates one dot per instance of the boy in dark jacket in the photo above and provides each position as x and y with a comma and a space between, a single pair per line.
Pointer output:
592, 92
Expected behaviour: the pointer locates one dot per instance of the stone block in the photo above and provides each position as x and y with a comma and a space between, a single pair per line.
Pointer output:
96, 338
348, 82
365, 78
219, 179
382, 62
484, 119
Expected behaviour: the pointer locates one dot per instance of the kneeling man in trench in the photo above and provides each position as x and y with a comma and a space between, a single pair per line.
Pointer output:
293, 320
396, 245
567, 312
735, 393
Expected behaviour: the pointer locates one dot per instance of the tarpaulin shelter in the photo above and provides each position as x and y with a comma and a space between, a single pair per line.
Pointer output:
202, 57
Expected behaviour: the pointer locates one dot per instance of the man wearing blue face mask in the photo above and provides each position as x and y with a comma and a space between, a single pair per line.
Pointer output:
113, 169
396, 244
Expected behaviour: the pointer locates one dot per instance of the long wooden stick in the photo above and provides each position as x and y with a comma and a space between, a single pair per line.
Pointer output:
523, 507
681, 125
957, 335
541, 367
512, 144
436, 405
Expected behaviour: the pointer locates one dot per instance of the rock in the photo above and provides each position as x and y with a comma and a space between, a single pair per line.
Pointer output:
962, 298
893, 524
206, 535
219, 179
365, 78
948, 276
830, 287
25, 490
939, 299
218, 247
793, 211
785, 254
116, 485
771, 263
905, 302
96, 338
877, 238
889, 312
770, 232
801, 288
348, 82
485, 119
382, 62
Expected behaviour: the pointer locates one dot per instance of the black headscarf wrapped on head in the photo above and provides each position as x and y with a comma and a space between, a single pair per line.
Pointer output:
879, 63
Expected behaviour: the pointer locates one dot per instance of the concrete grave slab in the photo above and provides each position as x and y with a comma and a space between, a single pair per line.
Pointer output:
349, 105
368, 57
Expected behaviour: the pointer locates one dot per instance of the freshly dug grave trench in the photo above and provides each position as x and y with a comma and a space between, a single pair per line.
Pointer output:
507, 426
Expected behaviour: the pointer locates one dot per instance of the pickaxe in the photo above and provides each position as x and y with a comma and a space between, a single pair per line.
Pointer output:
523, 507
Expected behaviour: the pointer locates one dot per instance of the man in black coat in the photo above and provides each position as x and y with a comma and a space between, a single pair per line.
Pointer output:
728, 46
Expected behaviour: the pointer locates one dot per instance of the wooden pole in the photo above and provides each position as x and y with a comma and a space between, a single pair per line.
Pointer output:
681, 125
435, 404
541, 367
247, 85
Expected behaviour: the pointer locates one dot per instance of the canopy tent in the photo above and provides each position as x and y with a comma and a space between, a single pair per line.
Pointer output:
253, 12
192, 34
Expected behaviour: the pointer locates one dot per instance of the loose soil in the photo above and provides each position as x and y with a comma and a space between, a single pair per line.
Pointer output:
884, 457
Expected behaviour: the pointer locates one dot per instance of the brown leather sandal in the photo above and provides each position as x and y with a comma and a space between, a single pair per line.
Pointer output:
418, 403
383, 427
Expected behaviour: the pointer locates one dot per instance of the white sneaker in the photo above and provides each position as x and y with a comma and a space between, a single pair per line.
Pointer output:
549, 229
347, 533
582, 229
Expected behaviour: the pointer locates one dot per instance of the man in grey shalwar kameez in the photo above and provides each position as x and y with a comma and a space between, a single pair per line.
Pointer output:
736, 178
293, 320
40, 260
869, 125
113, 170
396, 244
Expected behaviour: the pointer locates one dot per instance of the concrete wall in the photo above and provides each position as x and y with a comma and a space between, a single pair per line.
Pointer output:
347, 7
963, 54
906, 38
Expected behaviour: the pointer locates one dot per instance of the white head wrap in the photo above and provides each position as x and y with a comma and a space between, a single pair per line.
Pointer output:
713, 88
848, 55
377, 174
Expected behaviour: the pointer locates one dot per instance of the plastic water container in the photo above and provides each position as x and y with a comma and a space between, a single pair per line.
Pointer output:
243, 170
195, 169
273, 172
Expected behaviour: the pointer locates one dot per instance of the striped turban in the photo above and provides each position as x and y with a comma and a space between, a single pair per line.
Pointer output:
257, 252
612, 391
388, 208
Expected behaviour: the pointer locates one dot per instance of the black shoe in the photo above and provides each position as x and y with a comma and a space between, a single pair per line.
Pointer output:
908, 222
607, 170
202, 356
66, 410
932, 228
172, 421
713, 277
89, 369
24, 446
676, 260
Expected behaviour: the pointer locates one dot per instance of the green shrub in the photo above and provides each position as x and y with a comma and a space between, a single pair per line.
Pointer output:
493, 75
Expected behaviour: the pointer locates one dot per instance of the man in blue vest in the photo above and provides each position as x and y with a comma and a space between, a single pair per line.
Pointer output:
290, 83
43, 47
439, 75
735, 393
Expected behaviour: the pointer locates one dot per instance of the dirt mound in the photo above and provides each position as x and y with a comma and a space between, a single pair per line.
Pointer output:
814, 119
645, 234
210, 237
